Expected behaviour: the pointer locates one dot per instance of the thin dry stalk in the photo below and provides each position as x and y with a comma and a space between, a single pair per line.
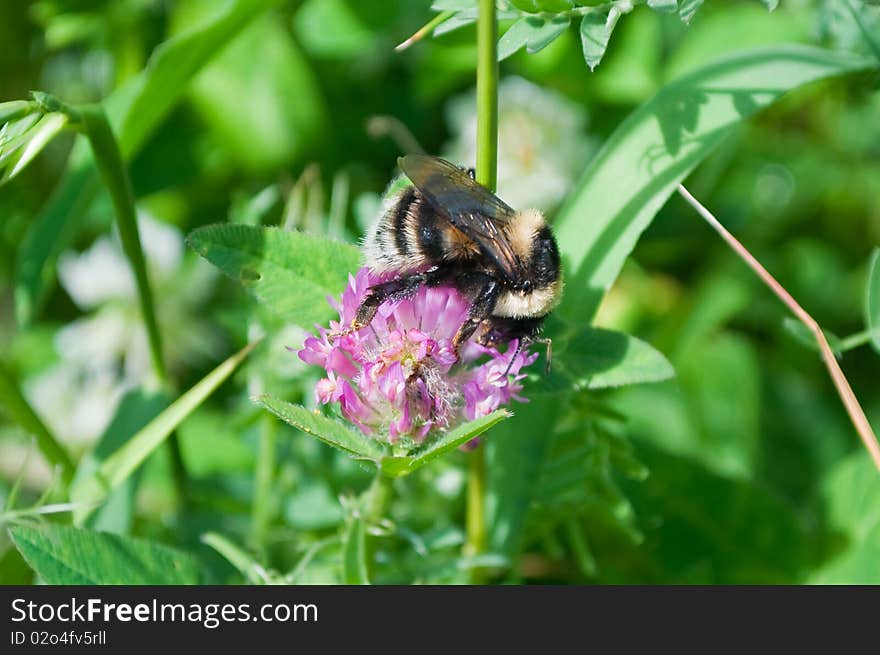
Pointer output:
853, 408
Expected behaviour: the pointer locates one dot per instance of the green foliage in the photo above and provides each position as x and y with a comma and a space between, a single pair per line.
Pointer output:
137, 108
352, 442
269, 262
355, 553
683, 433
656, 147
116, 467
872, 299
72, 556
598, 359
533, 34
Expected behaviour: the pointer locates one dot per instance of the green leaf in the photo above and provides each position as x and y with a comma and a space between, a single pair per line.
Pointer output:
536, 6
453, 5
328, 430
19, 410
665, 6
533, 34
851, 493
398, 466
265, 121
136, 409
244, 563
872, 299
117, 467
771, 4
596, 29
656, 147
14, 110
293, 273
354, 562
18, 152
135, 111
515, 459
63, 555
597, 359
688, 8
804, 336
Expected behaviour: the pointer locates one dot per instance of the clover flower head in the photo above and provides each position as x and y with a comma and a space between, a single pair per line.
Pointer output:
399, 377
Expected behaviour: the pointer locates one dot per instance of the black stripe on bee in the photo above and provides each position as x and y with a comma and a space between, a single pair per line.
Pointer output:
406, 206
430, 234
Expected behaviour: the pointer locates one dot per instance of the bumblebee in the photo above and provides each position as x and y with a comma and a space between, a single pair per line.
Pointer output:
448, 229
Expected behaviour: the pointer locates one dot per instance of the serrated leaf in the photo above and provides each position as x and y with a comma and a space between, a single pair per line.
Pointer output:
354, 554
398, 466
329, 430
63, 555
641, 164
533, 34
293, 273
872, 299
688, 8
596, 29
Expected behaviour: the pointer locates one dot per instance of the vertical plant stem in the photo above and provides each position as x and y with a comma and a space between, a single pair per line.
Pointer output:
265, 475
487, 175
850, 402
113, 171
20, 411
375, 507
487, 95
111, 166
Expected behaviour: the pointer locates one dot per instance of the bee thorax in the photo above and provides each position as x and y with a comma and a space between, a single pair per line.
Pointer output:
514, 304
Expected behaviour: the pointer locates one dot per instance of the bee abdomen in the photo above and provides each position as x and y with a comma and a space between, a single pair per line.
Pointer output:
393, 242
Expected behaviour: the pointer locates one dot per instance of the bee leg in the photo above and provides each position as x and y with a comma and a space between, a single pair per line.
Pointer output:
480, 310
398, 289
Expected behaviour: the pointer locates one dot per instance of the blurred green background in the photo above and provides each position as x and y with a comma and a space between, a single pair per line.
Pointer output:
754, 473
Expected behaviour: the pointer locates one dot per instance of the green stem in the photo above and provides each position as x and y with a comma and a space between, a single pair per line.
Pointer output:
375, 507
112, 168
487, 95
857, 339
20, 411
487, 175
423, 31
475, 521
265, 475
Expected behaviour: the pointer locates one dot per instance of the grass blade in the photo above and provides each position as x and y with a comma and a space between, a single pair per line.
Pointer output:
21, 412
124, 461
108, 158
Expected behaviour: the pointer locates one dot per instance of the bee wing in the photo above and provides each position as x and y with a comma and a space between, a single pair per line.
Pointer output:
469, 206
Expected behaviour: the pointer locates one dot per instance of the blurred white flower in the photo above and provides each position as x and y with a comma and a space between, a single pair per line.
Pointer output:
104, 354
542, 143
